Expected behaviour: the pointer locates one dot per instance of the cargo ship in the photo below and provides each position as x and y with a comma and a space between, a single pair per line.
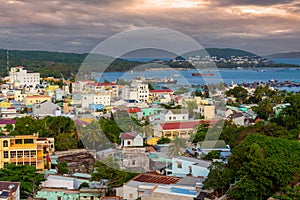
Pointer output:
198, 74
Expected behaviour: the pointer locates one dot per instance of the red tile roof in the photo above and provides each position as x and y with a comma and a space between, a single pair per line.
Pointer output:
185, 124
134, 110
4, 185
7, 121
150, 149
159, 179
128, 136
38, 96
102, 84
160, 91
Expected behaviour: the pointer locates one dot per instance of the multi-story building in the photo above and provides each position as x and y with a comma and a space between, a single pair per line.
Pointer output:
137, 91
25, 150
207, 111
29, 100
19, 77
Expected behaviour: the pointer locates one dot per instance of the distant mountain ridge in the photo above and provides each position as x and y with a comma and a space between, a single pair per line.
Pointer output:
285, 55
67, 64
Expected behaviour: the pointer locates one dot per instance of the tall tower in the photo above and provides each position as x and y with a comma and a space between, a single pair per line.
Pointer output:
7, 61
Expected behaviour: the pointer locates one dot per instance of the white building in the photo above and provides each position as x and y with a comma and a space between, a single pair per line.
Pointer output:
182, 166
136, 91
102, 98
19, 77
174, 115
132, 139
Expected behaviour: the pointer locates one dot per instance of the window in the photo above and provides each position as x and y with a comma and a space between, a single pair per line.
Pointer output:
179, 165
133, 162
5, 154
128, 142
33, 153
12, 154
20, 154
5, 143
18, 141
131, 196
28, 141
26, 154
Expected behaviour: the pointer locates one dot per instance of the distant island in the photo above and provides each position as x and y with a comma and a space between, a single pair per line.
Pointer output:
58, 64
285, 55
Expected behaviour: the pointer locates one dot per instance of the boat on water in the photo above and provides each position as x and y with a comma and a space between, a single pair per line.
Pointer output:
205, 74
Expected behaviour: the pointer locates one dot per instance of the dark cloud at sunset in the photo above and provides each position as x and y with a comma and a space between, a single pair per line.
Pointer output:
263, 27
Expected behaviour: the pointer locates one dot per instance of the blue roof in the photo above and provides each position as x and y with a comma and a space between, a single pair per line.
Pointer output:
183, 191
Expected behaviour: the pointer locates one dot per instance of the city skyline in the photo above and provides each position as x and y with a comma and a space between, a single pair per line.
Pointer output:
262, 27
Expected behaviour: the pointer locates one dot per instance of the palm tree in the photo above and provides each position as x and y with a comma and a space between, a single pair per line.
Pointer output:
92, 133
176, 147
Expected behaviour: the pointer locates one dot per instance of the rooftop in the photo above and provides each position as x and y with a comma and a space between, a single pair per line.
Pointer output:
128, 136
185, 124
159, 179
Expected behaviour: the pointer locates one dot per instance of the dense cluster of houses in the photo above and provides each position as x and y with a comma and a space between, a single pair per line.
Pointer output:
161, 176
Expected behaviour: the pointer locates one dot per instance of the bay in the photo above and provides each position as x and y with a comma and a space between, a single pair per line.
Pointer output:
228, 76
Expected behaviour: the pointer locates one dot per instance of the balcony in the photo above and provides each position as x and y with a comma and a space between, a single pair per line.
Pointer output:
26, 159
23, 146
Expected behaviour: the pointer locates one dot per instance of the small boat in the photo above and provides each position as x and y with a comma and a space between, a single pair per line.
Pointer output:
198, 74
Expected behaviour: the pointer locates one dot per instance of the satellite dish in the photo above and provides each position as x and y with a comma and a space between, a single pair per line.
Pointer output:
12, 186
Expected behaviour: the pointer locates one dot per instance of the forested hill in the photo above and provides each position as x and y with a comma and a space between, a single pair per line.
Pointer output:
67, 64
285, 55
221, 53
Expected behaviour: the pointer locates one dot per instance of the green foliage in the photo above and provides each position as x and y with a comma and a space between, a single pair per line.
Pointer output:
212, 155
61, 128
28, 177
238, 92
93, 137
171, 106
263, 165
219, 178
176, 147
84, 185
290, 116
109, 169
181, 90
62, 167
191, 106
163, 140
111, 130
200, 134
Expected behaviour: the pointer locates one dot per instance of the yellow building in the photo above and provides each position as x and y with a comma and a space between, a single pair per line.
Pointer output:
5, 104
24, 150
32, 99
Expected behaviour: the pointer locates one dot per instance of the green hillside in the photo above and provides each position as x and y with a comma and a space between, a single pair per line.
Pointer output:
67, 64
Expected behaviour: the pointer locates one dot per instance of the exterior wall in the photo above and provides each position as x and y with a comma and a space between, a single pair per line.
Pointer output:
30, 100
208, 111
169, 116
18, 96
163, 196
136, 142
4, 104
45, 109
135, 157
239, 121
21, 154
8, 113
20, 76
180, 166
130, 193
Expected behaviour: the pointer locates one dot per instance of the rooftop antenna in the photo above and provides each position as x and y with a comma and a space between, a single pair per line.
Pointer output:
7, 54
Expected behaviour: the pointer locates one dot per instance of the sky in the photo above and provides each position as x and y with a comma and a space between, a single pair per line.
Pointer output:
260, 26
